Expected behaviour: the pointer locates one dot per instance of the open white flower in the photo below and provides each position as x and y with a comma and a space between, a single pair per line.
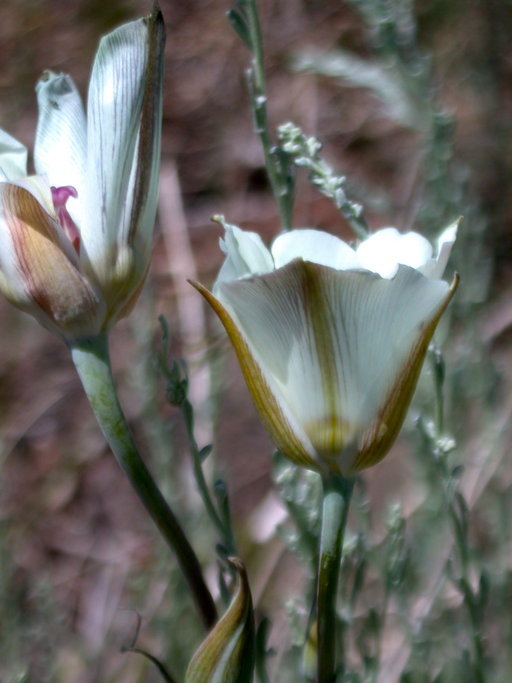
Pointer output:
331, 339
76, 238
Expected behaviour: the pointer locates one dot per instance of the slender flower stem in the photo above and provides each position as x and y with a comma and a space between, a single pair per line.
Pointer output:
457, 512
221, 522
176, 373
91, 358
469, 595
158, 664
258, 93
305, 153
336, 500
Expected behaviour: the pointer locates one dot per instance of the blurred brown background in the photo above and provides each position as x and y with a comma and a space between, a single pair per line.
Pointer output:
74, 542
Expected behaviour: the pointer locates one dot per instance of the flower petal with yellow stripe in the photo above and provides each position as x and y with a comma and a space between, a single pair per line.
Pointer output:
331, 352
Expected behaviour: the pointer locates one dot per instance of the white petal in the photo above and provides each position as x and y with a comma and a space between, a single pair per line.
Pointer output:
245, 255
332, 343
60, 146
377, 323
315, 246
142, 192
39, 188
383, 251
13, 158
273, 316
114, 109
435, 267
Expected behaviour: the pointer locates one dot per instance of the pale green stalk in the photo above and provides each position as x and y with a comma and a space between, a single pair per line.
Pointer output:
457, 513
336, 499
221, 521
176, 374
91, 359
304, 153
259, 104
246, 22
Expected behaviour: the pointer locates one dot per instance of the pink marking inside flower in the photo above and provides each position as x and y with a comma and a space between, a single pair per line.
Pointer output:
60, 196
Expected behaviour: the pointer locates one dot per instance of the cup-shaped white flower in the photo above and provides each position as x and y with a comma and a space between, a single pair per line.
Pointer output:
76, 238
331, 350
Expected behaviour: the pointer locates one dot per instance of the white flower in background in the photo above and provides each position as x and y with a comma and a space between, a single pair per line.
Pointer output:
76, 238
331, 339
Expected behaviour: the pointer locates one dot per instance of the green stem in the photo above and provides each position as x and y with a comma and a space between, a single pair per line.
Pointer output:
258, 94
222, 524
459, 525
336, 500
470, 599
91, 359
158, 664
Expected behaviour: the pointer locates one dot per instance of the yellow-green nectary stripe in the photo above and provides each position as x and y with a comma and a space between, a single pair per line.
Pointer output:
331, 357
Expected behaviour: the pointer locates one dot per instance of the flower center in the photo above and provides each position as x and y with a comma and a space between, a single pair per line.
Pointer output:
329, 434
60, 196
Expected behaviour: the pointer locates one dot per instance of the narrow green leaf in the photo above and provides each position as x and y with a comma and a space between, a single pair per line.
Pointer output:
205, 452
161, 668
240, 26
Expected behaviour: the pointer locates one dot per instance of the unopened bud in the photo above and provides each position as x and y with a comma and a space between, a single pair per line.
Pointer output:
227, 653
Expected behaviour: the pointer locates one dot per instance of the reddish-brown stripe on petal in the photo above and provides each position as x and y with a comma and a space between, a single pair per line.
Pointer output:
47, 271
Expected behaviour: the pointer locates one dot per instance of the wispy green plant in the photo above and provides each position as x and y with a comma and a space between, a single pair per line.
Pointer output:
313, 343
217, 505
245, 20
460, 568
305, 152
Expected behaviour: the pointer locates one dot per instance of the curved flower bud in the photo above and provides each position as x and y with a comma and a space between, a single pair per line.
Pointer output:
75, 239
227, 654
331, 351
39, 272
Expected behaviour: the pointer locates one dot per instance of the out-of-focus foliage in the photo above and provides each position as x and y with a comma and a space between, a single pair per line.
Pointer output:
412, 103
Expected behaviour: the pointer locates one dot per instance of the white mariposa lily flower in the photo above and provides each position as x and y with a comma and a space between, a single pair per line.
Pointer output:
76, 238
331, 339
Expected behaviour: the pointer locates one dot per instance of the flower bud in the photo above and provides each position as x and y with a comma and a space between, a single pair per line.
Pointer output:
227, 653
76, 239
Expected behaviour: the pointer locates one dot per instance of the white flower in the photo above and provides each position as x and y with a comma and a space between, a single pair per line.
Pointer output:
76, 238
331, 339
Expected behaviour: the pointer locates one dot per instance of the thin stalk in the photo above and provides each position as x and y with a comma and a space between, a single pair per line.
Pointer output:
438, 372
91, 359
462, 552
470, 599
258, 93
177, 389
336, 499
456, 514
222, 523
158, 664
304, 153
